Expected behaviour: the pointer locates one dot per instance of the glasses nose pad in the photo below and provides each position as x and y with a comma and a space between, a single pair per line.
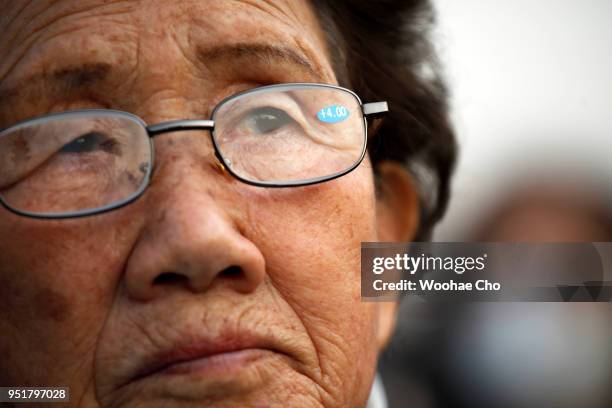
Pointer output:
221, 168
219, 165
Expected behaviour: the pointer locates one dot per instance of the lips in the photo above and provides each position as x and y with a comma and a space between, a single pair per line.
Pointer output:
204, 352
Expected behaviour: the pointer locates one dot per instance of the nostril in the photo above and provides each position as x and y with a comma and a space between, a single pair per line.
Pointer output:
169, 278
231, 272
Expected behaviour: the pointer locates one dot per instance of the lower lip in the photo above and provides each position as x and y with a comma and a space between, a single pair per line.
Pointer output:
216, 364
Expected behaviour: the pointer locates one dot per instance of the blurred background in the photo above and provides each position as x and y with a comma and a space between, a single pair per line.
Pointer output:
531, 85
532, 93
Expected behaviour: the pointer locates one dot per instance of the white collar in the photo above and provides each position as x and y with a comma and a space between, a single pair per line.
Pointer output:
377, 399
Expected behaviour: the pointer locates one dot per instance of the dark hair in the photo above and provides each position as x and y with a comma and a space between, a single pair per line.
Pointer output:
381, 49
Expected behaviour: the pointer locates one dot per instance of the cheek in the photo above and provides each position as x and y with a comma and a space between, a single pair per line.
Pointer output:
316, 229
311, 240
57, 283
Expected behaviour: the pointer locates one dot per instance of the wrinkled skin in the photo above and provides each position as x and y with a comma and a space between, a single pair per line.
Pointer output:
80, 305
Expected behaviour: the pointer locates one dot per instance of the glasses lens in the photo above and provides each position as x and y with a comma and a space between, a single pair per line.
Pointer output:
73, 162
290, 135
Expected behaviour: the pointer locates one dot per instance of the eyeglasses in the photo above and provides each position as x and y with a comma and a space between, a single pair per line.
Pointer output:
86, 162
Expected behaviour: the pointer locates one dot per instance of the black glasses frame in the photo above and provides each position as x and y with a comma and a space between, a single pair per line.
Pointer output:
369, 110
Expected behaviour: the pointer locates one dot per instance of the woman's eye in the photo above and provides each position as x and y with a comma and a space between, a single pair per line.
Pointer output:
266, 120
90, 142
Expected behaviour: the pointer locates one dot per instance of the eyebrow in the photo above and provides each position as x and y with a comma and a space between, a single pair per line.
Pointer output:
77, 78
263, 52
66, 80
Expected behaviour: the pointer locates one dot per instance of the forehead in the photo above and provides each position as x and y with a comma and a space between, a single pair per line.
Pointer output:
49, 38
25, 20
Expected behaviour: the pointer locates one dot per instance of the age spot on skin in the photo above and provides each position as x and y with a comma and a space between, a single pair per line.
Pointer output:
21, 149
52, 305
133, 180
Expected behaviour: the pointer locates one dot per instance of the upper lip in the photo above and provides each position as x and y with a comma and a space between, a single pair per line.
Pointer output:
201, 347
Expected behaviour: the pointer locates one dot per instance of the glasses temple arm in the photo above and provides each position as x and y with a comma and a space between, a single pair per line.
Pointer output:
375, 109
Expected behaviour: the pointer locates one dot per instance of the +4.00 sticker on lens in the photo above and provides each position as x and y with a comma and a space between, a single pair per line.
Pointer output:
333, 114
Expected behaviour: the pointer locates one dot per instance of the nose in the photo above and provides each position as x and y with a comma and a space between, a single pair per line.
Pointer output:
190, 243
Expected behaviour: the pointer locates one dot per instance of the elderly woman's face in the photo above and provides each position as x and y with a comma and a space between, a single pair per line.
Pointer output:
205, 290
